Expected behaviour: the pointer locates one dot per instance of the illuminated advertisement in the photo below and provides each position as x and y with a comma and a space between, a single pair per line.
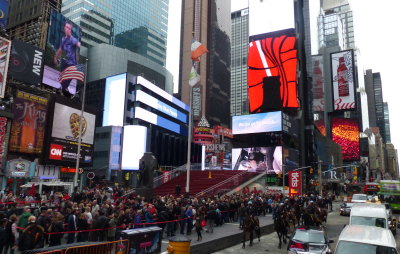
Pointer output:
266, 159
295, 183
62, 51
345, 132
256, 123
26, 63
272, 71
144, 82
3, 134
161, 106
114, 100
318, 83
320, 125
343, 80
5, 47
29, 123
150, 117
4, 4
134, 146
65, 134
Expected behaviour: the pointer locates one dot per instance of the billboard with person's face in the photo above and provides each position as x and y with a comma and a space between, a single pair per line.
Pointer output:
62, 51
29, 123
272, 71
266, 159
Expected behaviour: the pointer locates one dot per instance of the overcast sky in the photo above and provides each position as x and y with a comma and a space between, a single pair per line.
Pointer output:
376, 35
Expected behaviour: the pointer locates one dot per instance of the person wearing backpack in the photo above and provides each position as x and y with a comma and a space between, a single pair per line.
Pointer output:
32, 237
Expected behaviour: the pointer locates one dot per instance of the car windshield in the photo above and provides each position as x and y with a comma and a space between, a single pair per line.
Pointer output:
368, 221
309, 236
345, 247
359, 197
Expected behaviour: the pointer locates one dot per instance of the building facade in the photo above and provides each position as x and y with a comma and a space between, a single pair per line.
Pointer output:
139, 26
239, 47
208, 22
387, 122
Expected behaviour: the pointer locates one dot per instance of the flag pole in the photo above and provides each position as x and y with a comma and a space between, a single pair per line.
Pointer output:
188, 165
78, 154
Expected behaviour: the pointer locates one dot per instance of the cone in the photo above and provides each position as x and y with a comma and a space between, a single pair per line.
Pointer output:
209, 175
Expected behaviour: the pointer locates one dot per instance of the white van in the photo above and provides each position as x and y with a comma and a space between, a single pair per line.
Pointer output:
369, 215
365, 240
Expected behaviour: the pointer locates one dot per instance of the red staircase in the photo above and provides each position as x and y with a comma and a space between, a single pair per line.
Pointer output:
200, 181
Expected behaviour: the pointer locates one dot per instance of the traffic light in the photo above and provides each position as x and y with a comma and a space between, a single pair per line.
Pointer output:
311, 170
127, 176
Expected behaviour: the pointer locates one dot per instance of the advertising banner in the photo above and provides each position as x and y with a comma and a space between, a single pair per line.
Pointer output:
196, 102
257, 123
4, 4
345, 132
318, 83
3, 133
65, 134
342, 68
19, 168
29, 123
26, 63
5, 47
272, 71
62, 51
268, 159
295, 183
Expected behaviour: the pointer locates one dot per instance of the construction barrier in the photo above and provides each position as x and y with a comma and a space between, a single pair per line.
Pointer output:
116, 247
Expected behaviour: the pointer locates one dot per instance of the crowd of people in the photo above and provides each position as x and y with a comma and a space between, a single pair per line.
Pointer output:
100, 214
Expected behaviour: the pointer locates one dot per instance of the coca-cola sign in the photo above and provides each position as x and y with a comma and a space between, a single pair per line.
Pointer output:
343, 88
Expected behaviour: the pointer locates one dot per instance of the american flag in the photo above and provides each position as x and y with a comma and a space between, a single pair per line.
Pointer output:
73, 72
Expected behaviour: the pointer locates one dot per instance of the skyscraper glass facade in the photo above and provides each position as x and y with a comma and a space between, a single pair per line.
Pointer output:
387, 122
239, 45
139, 26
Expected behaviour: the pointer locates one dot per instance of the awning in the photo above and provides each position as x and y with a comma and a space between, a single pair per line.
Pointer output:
28, 185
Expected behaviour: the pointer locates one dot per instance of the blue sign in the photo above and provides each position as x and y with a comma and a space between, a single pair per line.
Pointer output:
257, 123
4, 13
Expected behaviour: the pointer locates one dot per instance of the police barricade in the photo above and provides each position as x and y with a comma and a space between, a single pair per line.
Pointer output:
116, 247
143, 240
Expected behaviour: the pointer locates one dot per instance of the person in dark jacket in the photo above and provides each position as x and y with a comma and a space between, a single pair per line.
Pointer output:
32, 237
82, 224
3, 235
102, 223
10, 237
72, 226
55, 228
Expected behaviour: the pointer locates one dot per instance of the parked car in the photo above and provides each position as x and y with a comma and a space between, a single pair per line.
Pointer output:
345, 209
365, 239
309, 240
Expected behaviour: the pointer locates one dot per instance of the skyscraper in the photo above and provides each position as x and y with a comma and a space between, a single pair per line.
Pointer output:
139, 26
342, 9
239, 46
208, 22
387, 122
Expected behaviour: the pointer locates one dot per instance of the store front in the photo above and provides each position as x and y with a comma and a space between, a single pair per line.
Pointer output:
18, 172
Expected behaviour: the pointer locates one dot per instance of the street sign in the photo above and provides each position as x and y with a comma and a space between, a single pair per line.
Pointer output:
80, 171
90, 175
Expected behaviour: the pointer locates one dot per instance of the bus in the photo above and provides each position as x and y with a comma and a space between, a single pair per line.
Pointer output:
389, 191
371, 188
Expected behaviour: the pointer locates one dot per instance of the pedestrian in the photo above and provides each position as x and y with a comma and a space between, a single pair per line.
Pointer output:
112, 224
83, 224
72, 226
11, 237
189, 220
198, 228
3, 235
55, 229
23, 219
242, 215
248, 227
32, 236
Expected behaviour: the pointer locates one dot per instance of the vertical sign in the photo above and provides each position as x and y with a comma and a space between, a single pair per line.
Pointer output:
295, 183
343, 89
5, 46
196, 102
27, 132
318, 83
3, 133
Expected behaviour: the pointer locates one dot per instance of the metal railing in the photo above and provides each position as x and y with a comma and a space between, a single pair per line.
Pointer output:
214, 187
116, 247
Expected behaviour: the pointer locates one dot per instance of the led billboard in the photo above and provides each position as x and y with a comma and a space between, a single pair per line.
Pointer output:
343, 87
134, 146
114, 100
4, 4
26, 63
65, 134
161, 106
5, 46
318, 83
29, 123
266, 159
345, 132
272, 71
62, 51
256, 123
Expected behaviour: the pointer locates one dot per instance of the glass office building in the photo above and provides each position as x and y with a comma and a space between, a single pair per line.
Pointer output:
139, 26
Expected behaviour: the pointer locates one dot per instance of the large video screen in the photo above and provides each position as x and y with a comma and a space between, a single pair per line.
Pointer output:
4, 4
342, 64
132, 152
62, 51
266, 159
272, 71
29, 123
345, 132
65, 134
26, 62
114, 100
257, 123
5, 48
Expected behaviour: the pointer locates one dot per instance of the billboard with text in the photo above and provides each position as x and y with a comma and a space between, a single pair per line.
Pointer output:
257, 123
